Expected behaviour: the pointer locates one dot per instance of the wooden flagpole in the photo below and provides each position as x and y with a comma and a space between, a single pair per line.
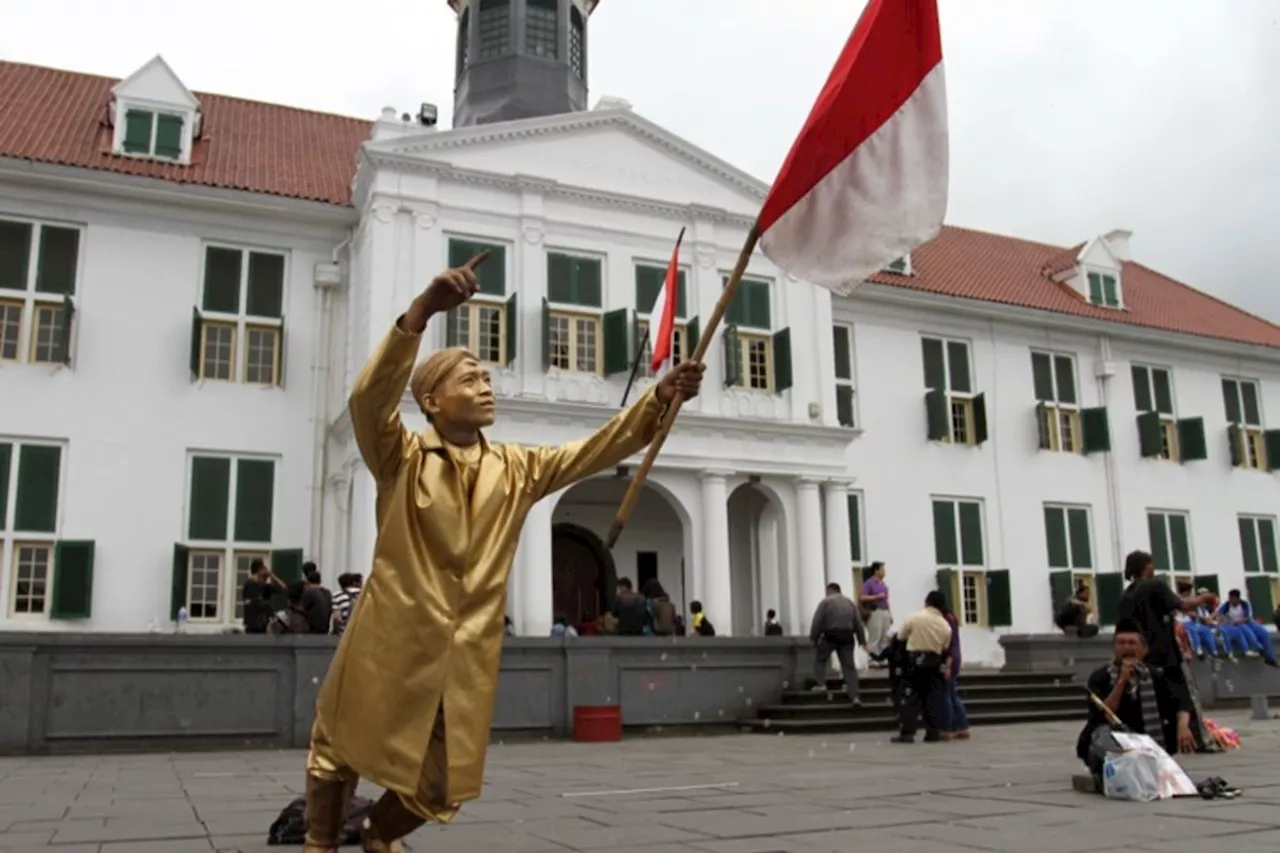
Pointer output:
699, 354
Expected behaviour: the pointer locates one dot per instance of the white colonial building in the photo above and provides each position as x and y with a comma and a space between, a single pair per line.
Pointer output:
189, 284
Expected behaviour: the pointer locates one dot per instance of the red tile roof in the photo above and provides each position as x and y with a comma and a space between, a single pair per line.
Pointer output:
970, 264
61, 117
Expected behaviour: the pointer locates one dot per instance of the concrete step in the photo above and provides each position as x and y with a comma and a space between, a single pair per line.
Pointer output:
875, 691
843, 709
884, 720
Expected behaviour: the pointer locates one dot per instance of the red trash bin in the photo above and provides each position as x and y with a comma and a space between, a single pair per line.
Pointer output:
597, 723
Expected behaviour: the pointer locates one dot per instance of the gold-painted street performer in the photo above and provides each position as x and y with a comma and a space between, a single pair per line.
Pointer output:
408, 699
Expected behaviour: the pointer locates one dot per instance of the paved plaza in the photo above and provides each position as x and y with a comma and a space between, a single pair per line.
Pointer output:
1006, 790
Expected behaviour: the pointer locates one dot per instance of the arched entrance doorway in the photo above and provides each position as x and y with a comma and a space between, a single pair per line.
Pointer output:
582, 573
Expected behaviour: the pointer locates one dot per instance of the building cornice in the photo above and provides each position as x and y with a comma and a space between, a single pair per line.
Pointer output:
886, 294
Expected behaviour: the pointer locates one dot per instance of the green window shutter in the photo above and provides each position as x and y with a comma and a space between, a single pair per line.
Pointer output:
694, 334
782, 377
512, 330
1061, 586
137, 131
265, 296
1081, 541
1180, 541
1150, 435
255, 499
546, 334
207, 506
1157, 532
1096, 428
15, 254
945, 580
6, 466
937, 415
1042, 377
855, 528
492, 274
559, 278
36, 510
1259, 587
1235, 445
178, 580
736, 313
451, 336
1231, 401
1042, 427
1267, 545
222, 280
1055, 535
999, 599
616, 331
958, 367
649, 281
1095, 288
169, 136
1249, 396
58, 261
1109, 587
980, 435
759, 304
843, 352
587, 281
1271, 441
286, 564
1209, 582
971, 546
935, 371
1191, 439
732, 357
197, 333
1141, 388
945, 539
284, 351
1249, 545
72, 580
844, 405
1065, 376
1163, 391
1110, 293
64, 331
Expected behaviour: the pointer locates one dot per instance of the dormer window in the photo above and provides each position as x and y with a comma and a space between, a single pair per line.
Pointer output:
154, 115
1104, 290
902, 266
152, 134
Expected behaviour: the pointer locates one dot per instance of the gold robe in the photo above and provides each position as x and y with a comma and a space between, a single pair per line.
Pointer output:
426, 634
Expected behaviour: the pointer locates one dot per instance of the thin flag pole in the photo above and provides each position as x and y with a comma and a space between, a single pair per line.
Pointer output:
635, 365
699, 354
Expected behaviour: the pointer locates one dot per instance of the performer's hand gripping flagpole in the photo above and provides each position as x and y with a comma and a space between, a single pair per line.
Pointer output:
865, 181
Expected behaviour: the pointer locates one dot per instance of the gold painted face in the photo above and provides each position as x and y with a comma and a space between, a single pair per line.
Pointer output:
463, 399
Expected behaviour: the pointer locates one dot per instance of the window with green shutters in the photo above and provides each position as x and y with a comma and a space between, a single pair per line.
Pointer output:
152, 134
1170, 535
1249, 444
39, 267
1104, 290
960, 556
230, 524
846, 395
650, 279
1258, 544
574, 326
1063, 425
237, 331
1068, 537
1161, 434
755, 358
854, 500
954, 413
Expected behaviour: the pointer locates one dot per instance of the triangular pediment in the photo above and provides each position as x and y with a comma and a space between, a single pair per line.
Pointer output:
156, 84
607, 150
1096, 253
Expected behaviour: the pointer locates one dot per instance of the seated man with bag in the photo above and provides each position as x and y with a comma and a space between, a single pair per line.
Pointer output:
1140, 697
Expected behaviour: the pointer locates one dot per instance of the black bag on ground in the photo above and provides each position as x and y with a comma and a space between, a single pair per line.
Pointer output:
290, 829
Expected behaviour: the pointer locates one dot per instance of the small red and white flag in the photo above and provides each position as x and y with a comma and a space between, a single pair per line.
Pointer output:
866, 180
662, 317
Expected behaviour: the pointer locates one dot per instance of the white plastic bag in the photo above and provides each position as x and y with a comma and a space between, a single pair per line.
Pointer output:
1131, 776
1171, 780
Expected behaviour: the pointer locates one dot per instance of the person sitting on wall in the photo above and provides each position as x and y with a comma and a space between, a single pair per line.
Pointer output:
1139, 695
1237, 613
772, 627
702, 626
1200, 637
1075, 619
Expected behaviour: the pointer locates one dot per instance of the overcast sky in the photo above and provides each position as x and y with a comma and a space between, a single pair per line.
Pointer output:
1068, 117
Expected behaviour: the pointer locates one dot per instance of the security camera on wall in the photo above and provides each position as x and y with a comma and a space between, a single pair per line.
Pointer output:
428, 115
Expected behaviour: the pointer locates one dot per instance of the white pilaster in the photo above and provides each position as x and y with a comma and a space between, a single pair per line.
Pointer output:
835, 496
811, 573
717, 593
533, 561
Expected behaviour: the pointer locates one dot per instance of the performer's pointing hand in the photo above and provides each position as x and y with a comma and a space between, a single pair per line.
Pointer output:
685, 378
445, 292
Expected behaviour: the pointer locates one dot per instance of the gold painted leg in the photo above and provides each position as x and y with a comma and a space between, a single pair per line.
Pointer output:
327, 802
388, 822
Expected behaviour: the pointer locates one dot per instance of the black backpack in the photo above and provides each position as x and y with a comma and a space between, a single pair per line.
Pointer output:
290, 829
706, 629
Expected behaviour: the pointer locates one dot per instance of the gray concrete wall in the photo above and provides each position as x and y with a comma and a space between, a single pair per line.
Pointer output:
107, 692
1218, 681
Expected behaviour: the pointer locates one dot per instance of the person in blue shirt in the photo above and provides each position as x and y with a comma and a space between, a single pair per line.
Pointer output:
1238, 614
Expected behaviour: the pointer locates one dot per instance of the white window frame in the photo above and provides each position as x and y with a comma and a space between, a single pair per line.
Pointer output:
28, 299
859, 563
1171, 449
958, 402
747, 334
978, 574
473, 308
1066, 526
229, 549
1253, 449
1257, 540
573, 312
682, 350
123, 106
11, 539
1103, 274
1058, 414
1168, 540
852, 381
242, 322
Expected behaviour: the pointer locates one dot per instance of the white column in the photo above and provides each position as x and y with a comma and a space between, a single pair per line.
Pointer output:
835, 495
812, 585
717, 594
534, 562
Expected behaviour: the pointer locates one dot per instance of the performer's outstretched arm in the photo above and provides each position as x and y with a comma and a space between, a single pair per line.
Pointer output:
550, 469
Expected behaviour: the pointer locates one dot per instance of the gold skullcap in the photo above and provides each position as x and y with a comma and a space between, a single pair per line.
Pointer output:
428, 375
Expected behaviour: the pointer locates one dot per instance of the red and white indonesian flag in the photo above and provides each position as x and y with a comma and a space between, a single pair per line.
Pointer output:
866, 181
662, 318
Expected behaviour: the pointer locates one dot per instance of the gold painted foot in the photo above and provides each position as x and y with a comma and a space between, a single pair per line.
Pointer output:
388, 822
327, 803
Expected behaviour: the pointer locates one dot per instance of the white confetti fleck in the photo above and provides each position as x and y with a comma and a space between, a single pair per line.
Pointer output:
697, 715
748, 700
852, 747
664, 656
